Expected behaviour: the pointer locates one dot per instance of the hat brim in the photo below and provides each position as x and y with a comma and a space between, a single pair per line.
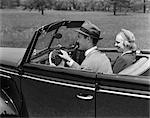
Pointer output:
82, 32
79, 31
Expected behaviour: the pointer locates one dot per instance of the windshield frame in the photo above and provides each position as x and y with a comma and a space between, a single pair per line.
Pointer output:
48, 28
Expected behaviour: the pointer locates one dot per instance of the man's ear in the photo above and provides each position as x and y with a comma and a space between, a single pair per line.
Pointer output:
89, 39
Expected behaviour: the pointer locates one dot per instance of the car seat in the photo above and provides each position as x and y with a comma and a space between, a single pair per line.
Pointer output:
139, 67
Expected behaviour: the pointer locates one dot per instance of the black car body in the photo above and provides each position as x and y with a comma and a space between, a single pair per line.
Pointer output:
30, 87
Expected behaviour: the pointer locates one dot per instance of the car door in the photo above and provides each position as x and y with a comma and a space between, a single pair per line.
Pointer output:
11, 100
58, 92
122, 96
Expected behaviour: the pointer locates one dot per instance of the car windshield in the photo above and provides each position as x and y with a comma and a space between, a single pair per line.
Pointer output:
69, 36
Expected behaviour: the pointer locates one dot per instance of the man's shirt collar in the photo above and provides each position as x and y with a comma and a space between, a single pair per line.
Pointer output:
127, 52
90, 50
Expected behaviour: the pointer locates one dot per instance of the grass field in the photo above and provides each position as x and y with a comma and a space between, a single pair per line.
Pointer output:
17, 26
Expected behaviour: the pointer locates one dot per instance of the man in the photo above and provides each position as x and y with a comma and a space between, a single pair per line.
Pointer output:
95, 61
125, 43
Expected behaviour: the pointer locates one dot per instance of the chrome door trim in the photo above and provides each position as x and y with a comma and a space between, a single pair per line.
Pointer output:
2, 75
9, 72
103, 90
60, 83
124, 92
92, 89
50, 81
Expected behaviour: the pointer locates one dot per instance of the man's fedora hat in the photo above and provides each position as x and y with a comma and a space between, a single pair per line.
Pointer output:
90, 30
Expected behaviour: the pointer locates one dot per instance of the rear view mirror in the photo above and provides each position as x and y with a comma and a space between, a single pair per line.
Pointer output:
58, 36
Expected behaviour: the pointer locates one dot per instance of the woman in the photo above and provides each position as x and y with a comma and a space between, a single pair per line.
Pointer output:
125, 43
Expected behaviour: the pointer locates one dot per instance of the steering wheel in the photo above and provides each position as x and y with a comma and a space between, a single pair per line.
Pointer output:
54, 58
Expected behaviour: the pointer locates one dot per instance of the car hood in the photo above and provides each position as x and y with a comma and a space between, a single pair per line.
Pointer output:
11, 56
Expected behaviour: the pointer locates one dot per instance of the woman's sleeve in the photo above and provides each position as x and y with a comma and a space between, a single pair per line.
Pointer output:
119, 65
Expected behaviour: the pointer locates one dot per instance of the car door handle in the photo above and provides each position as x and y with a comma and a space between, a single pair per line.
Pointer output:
84, 96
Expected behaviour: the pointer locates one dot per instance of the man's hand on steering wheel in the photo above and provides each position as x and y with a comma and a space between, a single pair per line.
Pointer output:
66, 57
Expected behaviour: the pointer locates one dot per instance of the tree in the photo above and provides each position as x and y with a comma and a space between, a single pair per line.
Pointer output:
40, 5
120, 4
140, 5
106, 5
73, 4
144, 7
114, 2
9, 3
62, 5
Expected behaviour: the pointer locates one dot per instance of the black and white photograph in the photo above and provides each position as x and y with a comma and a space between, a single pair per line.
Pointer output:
75, 58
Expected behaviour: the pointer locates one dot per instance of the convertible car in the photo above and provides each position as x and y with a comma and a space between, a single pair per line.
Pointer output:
35, 84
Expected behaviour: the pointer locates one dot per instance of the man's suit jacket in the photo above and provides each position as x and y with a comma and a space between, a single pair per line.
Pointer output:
95, 61
123, 62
